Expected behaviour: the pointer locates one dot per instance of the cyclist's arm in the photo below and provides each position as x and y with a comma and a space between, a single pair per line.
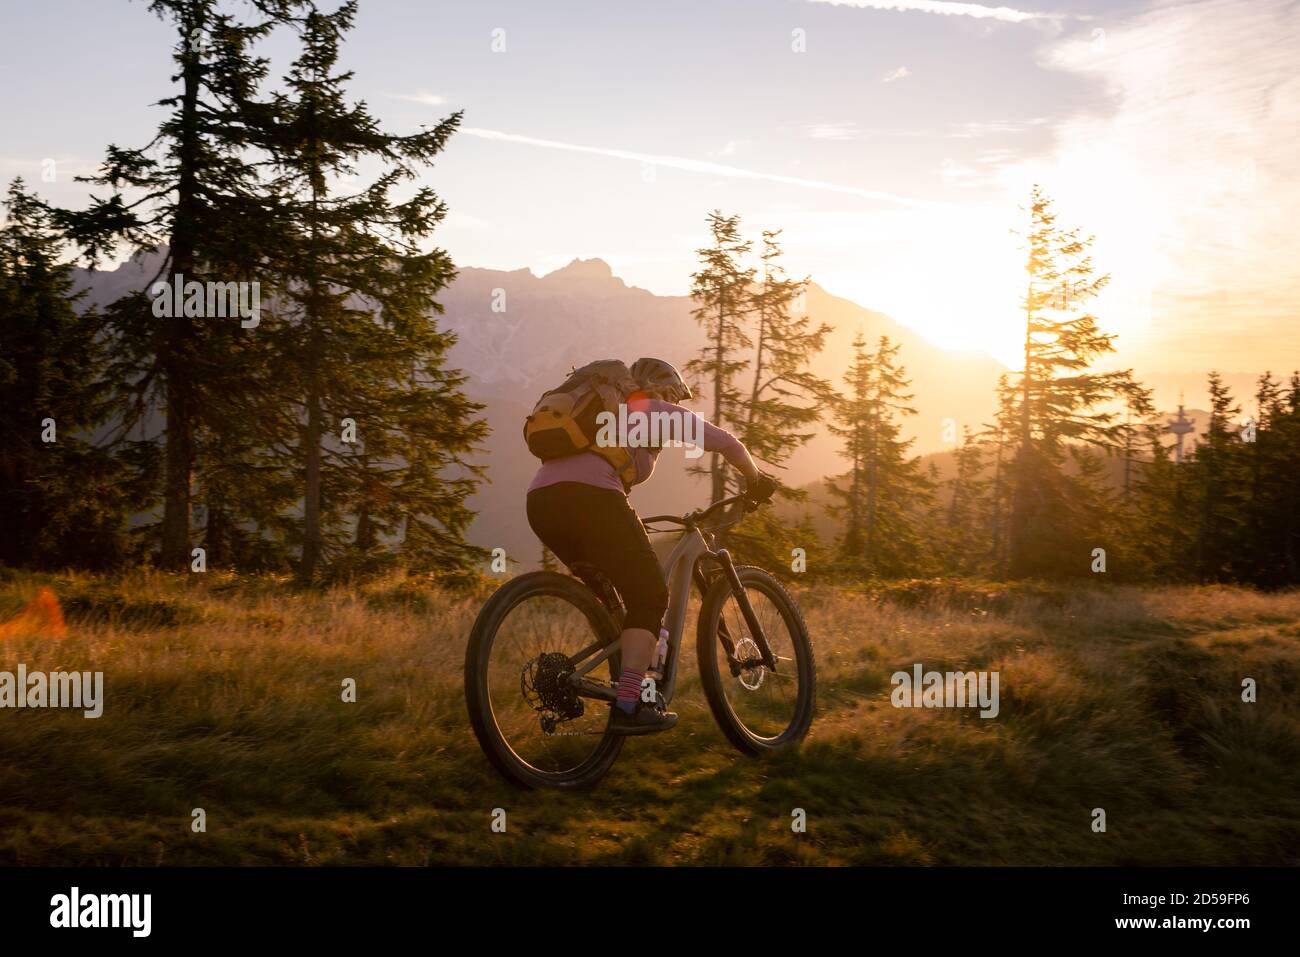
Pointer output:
731, 448
713, 438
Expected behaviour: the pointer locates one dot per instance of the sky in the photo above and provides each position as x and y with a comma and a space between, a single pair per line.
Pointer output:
893, 141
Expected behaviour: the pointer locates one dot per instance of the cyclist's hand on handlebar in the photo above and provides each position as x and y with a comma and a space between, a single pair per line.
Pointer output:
759, 489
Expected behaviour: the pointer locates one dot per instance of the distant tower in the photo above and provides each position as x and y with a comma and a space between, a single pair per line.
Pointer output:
1180, 427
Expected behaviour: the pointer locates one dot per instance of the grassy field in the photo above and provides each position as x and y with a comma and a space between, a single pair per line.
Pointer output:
224, 694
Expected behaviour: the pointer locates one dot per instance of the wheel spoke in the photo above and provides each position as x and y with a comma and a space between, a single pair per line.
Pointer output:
765, 703
548, 727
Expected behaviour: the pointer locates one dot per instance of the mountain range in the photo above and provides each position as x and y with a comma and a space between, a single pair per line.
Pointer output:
519, 333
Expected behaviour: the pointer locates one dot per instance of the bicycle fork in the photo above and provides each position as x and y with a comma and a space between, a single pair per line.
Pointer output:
723, 558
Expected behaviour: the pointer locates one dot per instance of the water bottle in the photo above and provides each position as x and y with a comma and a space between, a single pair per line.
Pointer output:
661, 655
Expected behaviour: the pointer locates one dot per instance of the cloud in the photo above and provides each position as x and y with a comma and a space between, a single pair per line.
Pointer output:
947, 8
1186, 173
424, 98
950, 171
898, 74
697, 166
997, 127
832, 131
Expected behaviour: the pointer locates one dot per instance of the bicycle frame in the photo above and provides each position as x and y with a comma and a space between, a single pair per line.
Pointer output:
679, 571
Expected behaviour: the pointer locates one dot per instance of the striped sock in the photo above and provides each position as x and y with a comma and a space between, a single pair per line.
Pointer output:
629, 689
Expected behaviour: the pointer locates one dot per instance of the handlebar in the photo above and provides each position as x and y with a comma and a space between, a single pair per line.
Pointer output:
693, 518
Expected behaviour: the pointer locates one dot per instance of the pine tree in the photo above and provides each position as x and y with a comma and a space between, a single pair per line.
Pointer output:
1216, 466
785, 398
1156, 506
1057, 399
966, 516
886, 491
1000, 437
358, 343
1259, 552
784, 403
194, 190
1110, 505
1286, 420
1138, 407
722, 290
854, 412
63, 500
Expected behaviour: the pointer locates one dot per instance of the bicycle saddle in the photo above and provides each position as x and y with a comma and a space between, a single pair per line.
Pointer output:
598, 582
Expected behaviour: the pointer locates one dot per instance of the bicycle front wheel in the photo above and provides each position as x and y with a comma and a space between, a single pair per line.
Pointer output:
530, 723
758, 709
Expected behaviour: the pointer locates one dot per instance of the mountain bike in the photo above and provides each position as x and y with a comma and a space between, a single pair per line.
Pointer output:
542, 665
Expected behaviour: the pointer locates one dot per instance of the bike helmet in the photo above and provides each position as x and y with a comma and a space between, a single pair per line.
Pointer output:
661, 377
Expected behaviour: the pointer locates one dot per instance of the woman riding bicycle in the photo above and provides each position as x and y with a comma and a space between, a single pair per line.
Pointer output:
577, 505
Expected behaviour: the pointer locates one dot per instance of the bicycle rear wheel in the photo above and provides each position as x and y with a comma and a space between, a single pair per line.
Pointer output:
759, 710
533, 730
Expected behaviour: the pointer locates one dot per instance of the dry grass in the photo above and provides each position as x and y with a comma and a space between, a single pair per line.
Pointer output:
224, 694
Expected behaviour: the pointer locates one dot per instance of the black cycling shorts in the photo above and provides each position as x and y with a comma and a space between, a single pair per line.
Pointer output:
583, 524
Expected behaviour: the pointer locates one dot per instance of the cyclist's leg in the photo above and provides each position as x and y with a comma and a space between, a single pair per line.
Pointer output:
621, 548
564, 517
581, 523
554, 516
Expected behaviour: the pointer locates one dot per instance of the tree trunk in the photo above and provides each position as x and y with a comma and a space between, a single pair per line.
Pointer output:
997, 509
312, 540
718, 487
1018, 527
311, 531
175, 358
853, 534
365, 536
216, 538
178, 474
758, 363
869, 520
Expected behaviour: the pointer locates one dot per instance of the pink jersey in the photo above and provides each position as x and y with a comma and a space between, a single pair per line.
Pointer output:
589, 468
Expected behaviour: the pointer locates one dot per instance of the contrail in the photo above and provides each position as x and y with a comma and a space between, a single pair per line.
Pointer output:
698, 166
951, 9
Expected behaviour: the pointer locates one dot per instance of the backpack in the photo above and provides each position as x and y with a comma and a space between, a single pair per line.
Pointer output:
564, 420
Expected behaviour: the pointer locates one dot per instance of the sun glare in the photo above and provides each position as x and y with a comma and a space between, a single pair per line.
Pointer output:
954, 276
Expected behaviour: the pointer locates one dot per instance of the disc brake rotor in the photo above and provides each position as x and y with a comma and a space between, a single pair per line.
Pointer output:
751, 676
